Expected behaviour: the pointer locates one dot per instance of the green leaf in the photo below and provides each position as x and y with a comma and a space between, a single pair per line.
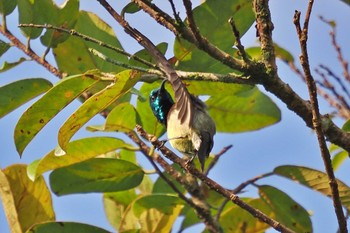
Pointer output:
144, 54
30, 11
73, 56
17, 93
77, 151
115, 205
235, 220
243, 111
122, 118
160, 186
339, 156
29, 197
285, 209
315, 180
94, 105
96, 175
130, 8
281, 53
3, 45
164, 203
9, 65
7, 6
42, 111
64, 16
190, 218
212, 17
147, 119
65, 227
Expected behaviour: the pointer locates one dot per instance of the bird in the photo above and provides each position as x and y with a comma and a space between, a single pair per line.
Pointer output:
189, 126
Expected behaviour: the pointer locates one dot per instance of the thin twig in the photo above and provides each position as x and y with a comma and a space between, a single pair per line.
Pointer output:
216, 158
316, 118
239, 189
238, 42
122, 64
72, 32
16, 42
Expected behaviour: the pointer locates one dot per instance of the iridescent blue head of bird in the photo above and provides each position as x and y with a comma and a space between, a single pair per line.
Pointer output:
161, 103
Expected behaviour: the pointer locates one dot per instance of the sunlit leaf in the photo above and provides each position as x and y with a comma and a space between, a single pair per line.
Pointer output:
42, 111
64, 16
29, 197
77, 151
148, 120
243, 111
235, 220
315, 180
7, 6
19, 92
96, 175
115, 205
73, 56
94, 105
65, 227
164, 203
30, 12
281, 53
212, 17
121, 118
8, 204
285, 209
9, 65
144, 54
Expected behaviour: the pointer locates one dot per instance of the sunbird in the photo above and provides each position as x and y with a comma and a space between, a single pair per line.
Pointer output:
189, 127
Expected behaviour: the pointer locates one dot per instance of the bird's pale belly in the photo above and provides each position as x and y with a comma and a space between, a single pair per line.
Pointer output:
180, 136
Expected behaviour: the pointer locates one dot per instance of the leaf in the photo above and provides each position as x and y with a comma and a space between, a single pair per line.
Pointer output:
64, 16
96, 175
160, 186
29, 197
150, 216
65, 227
147, 119
115, 205
73, 56
77, 151
211, 18
7, 6
8, 204
144, 54
30, 12
42, 111
281, 53
94, 105
243, 111
9, 65
164, 203
285, 209
235, 220
3, 45
339, 156
190, 218
315, 180
17, 93
122, 118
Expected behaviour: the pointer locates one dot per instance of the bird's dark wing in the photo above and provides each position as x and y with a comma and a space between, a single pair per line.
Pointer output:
182, 100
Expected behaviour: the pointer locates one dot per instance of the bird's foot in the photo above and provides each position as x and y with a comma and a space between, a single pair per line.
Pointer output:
190, 160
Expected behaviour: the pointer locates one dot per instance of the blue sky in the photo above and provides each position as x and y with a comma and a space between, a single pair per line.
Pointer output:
254, 153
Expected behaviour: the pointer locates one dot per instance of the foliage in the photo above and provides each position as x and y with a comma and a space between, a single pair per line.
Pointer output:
108, 165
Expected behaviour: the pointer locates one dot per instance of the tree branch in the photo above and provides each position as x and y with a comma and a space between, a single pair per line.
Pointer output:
316, 118
212, 184
197, 203
29, 52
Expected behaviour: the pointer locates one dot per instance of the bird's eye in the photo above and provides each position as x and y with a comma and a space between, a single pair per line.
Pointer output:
153, 97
